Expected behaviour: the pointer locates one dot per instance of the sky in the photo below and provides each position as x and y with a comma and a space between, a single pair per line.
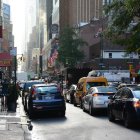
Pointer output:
18, 21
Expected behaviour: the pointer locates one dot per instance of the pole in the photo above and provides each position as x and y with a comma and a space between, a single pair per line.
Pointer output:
101, 50
36, 65
15, 71
40, 65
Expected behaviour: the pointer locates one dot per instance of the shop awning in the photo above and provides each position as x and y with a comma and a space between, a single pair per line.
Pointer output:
5, 60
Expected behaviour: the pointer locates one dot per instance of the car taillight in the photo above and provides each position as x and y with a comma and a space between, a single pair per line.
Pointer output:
137, 104
95, 95
33, 92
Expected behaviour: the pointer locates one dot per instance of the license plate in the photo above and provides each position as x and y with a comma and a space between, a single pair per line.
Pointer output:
48, 97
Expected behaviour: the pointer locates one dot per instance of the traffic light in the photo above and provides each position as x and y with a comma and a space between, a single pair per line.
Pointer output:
130, 67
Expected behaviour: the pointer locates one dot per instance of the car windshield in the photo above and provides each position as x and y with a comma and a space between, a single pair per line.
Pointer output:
107, 89
48, 90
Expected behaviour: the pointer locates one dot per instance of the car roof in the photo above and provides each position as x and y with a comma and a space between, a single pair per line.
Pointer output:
133, 88
126, 85
44, 85
105, 87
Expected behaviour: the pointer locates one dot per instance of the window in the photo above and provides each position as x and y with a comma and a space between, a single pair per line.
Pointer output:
110, 55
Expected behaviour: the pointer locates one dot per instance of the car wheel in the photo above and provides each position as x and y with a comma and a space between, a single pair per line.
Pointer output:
127, 121
90, 110
74, 102
81, 104
84, 107
62, 113
31, 112
25, 104
71, 99
110, 116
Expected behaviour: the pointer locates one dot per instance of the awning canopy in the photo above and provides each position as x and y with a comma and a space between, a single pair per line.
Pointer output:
5, 60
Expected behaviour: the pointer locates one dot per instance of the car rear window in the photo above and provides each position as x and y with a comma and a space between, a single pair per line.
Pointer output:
48, 90
27, 85
107, 89
136, 92
94, 84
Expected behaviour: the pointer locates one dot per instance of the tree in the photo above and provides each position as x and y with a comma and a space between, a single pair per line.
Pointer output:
69, 51
124, 27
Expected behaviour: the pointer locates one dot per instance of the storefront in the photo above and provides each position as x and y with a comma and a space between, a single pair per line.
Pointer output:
5, 65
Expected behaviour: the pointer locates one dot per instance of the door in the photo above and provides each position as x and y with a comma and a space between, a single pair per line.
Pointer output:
115, 103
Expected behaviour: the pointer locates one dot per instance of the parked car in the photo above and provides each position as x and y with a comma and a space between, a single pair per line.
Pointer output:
26, 88
126, 85
69, 95
45, 98
97, 98
125, 105
84, 84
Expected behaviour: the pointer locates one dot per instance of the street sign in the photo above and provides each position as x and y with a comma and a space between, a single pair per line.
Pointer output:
54, 28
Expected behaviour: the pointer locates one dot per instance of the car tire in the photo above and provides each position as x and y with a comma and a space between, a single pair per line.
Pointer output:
71, 99
74, 102
25, 104
62, 113
31, 112
127, 122
90, 110
84, 108
110, 116
81, 104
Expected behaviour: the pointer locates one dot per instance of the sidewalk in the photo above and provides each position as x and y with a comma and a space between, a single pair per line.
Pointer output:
13, 125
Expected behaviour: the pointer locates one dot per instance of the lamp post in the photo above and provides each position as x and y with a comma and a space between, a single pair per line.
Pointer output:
100, 35
101, 49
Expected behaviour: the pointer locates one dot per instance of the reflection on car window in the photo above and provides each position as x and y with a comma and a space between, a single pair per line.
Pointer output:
107, 89
137, 93
48, 90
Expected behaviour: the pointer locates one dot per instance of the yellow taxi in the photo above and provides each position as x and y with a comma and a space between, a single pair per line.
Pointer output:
84, 84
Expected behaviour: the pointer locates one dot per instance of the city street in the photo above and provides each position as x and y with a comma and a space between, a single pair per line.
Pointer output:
78, 125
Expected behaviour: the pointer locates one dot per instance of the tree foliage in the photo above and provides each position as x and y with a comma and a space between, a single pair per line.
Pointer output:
69, 51
124, 26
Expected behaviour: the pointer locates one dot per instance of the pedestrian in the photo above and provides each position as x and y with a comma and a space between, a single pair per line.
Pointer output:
4, 94
5, 84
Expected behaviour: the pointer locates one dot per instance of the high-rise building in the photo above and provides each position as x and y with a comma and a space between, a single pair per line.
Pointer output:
75, 12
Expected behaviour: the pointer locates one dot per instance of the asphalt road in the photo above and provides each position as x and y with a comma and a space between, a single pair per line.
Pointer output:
78, 125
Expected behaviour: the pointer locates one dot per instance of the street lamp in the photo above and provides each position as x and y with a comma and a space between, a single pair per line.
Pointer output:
94, 21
